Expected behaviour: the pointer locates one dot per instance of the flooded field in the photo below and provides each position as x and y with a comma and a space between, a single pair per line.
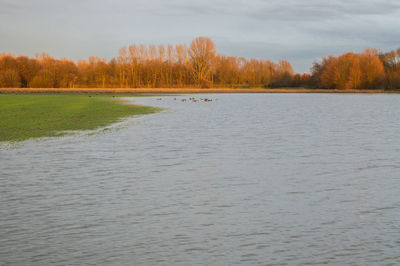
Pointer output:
239, 179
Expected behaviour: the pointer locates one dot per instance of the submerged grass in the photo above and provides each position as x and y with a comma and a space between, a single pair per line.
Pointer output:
32, 116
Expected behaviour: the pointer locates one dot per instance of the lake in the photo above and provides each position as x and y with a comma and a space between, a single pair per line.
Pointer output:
244, 179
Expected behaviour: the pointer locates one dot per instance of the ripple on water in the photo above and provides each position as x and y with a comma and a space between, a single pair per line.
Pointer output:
249, 179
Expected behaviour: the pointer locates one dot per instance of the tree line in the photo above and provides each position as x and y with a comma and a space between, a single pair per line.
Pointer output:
351, 71
198, 65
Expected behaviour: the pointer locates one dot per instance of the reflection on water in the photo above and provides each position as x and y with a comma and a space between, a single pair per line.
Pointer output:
247, 179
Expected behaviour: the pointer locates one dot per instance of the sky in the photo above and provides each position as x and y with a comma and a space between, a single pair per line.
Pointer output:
300, 31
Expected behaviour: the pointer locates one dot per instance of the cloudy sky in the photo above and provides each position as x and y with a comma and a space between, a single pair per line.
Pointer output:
300, 31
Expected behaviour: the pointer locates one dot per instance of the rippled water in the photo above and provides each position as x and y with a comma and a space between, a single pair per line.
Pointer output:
248, 179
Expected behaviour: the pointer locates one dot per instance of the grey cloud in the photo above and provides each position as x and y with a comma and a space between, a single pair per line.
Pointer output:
9, 7
315, 10
280, 10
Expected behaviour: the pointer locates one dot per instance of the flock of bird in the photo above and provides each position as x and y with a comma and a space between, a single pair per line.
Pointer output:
193, 99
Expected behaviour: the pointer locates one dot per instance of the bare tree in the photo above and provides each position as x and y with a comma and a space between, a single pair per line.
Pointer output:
152, 52
161, 53
134, 55
143, 52
171, 54
181, 53
202, 53
123, 60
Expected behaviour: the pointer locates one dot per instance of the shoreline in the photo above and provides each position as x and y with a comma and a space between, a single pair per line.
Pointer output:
178, 90
28, 116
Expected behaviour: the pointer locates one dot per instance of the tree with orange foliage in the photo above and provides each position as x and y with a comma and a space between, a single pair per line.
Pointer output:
354, 78
391, 63
373, 70
350, 71
9, 74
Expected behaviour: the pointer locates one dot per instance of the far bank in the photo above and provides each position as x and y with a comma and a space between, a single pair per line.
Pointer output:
180, 90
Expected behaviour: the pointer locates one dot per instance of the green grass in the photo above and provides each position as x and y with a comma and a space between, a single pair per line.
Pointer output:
32, 116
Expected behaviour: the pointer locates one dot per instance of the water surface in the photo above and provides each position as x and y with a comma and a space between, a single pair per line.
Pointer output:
248, 179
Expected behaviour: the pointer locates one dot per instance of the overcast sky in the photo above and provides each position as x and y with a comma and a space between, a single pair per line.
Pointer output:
300, 31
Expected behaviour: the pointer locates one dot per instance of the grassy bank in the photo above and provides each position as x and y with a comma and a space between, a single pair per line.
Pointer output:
32, 116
